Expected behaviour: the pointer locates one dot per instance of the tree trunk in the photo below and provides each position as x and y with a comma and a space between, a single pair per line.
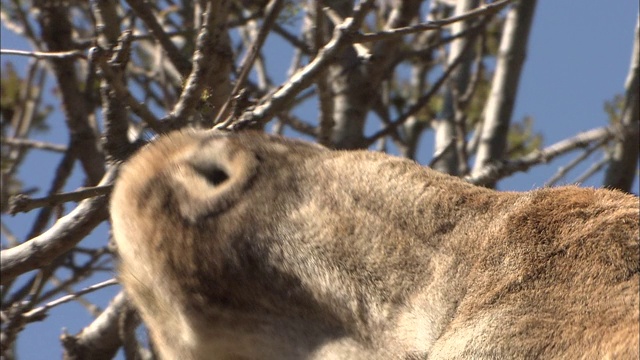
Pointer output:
624, 162
445, 127
504, 87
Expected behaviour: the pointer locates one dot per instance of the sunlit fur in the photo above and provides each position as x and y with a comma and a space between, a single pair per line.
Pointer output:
248, 246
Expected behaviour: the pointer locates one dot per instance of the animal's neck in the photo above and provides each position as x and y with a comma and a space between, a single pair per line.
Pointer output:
400, 216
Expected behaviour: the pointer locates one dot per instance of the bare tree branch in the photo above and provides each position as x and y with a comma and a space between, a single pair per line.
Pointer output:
33, 144
45, 54
273, 9
101, 339
305, 76
500, 169
564, 170
143, 11
486, 9
40, 312
62, 173
421, 102
61, 237
23, 203
122, 93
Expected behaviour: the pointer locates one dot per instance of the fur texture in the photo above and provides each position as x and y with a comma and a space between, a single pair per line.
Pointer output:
255, 247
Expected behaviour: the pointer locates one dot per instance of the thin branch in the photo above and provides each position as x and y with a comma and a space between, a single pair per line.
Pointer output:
61, 175
101, 339
297, 124
292, 39
498, 170
123, 93
273, 10
45, 54
61, 237
423, 100
40, 312
487, 9
593, 169
303, 78
34, 144
564, 170
143, 11
27, 104
23, 203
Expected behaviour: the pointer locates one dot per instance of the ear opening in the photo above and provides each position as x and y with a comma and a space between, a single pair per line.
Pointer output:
213, 176
212, 173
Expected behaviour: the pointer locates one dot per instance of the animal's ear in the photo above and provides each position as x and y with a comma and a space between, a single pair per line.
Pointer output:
213, 177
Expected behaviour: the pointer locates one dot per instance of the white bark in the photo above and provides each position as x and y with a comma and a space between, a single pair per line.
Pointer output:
624, 162
445, 128
504, 86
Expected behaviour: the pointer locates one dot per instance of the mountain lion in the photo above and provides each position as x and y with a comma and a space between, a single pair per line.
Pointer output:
250, 246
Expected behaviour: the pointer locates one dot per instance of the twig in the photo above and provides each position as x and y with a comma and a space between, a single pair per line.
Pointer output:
39, 312
123, 93
432, 25
61, 175
27, 104
23, 203
41, 145
592, 169
563, 170
423, 100
292, 39
143, 11
62, 236
498, 170
273, 9
297, 124
45, 54
303, 78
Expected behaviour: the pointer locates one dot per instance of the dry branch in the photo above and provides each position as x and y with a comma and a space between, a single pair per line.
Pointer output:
45, 54
40, 312
495, 171
273, 10
23, 203
34, 144
59, 239
143, 10
342, 36
101, 339
488, 9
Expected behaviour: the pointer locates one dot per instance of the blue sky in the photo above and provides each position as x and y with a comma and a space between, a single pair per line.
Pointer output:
578, 57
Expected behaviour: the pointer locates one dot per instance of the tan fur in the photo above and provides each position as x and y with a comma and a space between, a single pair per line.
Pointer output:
256, 247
